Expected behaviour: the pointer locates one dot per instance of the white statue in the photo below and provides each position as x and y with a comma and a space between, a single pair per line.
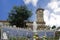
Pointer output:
5, 35
34, 26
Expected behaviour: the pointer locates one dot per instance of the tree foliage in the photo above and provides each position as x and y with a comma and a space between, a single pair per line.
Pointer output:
18, 14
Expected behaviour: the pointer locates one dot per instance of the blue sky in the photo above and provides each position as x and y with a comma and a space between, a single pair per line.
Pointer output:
7, 5
51, 13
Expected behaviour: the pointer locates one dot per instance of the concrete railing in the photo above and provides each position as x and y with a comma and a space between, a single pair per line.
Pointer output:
41, 32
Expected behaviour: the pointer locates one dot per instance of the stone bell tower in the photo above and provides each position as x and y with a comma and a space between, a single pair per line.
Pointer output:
39, 13
40, 19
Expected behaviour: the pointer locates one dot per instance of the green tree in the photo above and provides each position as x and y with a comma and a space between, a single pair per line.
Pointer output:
53, 27
18, 15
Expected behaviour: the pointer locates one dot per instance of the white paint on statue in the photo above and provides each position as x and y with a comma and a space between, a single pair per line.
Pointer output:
34, 26
5, 35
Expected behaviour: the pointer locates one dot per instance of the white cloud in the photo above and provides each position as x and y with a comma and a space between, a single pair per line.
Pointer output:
53, 5
46, 14
57, 10
34, 2
27, 1
54, 14
52, 20
58, 20
53, 0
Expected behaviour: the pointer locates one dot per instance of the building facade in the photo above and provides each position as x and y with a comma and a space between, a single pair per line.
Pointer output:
4, 23
40, 21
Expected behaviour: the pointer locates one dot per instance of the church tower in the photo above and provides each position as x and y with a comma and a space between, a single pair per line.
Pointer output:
40, 19
39, 13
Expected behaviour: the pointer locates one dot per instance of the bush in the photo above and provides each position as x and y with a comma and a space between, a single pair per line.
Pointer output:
12, 38
18, 38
